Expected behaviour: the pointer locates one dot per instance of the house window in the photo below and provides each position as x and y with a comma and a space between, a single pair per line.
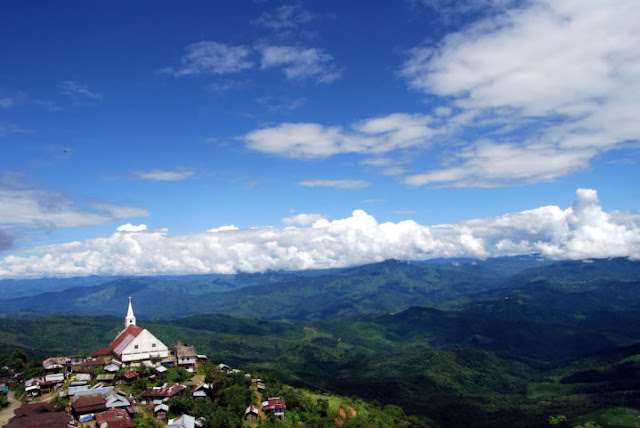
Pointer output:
153, 345
135, 346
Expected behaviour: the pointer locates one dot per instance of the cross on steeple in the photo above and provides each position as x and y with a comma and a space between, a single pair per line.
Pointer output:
130, 319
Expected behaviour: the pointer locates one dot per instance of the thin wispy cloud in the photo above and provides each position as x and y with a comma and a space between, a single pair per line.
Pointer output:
210, 57
342, 183
32, 208
164, 175
79, 93
6, 102
286, 17
300, 63
12, 128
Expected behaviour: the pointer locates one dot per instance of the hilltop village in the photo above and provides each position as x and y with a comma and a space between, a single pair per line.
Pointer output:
139, 381
136, 381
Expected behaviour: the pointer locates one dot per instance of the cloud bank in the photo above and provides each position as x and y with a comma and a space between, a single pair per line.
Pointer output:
581, 231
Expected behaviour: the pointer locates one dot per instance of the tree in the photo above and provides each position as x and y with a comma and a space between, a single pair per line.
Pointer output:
394, 411
59, 403
588, 424
555, 420
147, 422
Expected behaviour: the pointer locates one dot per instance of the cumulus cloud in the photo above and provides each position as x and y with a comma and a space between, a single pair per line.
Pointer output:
343, 184
300, 63
164, 175
131, 228
209, 57
303, 219
560, 79
581, 231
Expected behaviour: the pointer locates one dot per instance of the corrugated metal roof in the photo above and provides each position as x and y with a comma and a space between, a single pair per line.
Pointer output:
120, 343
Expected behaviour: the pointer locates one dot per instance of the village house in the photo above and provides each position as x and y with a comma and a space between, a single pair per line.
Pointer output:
185, 355
185, 421
35, 386
275, 405
201, 390
114, 418
115, 400
160, 394
87, 405
160, 412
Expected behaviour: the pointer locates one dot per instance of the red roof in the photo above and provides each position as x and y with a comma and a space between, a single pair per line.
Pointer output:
33, 409
89, 404
274, 403
95, 362
101, 352
167, 390
131, 375
115, 418
124, 338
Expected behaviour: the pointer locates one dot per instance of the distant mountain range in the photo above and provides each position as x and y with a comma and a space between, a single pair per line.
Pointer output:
369, 290
501, 342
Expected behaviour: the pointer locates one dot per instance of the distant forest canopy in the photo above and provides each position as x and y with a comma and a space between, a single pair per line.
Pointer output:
368, 290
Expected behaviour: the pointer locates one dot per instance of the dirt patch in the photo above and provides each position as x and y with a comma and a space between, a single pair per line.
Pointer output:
7, 412
352, 412
342, 416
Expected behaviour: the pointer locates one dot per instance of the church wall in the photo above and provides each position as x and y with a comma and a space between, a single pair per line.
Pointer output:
145, 349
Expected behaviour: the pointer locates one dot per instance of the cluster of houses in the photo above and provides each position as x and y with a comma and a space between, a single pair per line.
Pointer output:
97, 397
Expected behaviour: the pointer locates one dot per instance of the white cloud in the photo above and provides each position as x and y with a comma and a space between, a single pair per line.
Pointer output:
131, 228
562, 79
582, 231
300, 63
343, 183
303, 219
209, 57
378, 135
164, 175
79, 93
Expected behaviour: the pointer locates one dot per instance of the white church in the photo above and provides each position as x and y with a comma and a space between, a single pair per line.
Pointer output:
136, 345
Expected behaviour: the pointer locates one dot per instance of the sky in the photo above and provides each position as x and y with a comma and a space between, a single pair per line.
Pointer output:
156, 137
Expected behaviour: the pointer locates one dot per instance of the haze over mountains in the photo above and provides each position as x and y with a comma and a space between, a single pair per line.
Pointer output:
375, 289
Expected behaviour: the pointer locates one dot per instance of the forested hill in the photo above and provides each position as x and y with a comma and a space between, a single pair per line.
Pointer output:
369, 290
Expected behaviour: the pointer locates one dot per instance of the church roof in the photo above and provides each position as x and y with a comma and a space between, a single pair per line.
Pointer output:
124, 339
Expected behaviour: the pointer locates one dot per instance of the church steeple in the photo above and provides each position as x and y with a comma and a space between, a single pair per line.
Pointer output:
130, 319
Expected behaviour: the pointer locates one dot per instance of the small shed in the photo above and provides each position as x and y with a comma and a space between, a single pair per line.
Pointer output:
251, 413
160, 412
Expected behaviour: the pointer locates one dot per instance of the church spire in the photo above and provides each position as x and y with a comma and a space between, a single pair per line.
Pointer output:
130, 319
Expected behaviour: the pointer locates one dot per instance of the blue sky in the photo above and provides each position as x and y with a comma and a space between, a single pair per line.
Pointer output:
327, 133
